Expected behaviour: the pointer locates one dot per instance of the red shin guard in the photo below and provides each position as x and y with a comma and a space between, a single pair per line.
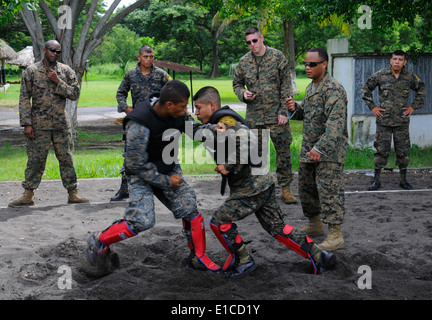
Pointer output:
198, 244
115, 233
303, 250
218, 233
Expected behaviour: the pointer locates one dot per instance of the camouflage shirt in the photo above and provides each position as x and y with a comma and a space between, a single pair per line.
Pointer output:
393, 95
140, 85
269, 79
241, 180
137, 162
324, 115
42, 102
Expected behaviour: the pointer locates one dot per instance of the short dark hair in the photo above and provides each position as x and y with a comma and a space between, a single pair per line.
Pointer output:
50, 43
252, 30
321, 53
145, 48
207, 94
400, 53
174, 91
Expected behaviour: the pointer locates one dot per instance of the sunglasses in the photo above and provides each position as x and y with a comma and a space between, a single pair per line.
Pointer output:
54, 50
253, 40
312, 64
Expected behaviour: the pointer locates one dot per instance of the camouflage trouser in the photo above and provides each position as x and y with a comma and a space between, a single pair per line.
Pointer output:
282, 138
266, 209
321, 190
382, 144
37, 153
140, 213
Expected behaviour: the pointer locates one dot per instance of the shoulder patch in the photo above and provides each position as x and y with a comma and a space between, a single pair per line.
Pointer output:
228, 120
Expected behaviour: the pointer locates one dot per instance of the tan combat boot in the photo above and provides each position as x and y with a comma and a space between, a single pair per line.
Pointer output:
26, 200
287, 195
314, 227
334, 240
74, 197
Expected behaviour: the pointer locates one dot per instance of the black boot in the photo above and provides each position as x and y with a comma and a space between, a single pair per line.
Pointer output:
244, 264
376, 183
403, 182
327, 260
123, 192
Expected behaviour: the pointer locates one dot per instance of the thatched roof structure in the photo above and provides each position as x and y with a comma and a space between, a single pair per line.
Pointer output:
6, 52
24, 58
178, 67
175, 66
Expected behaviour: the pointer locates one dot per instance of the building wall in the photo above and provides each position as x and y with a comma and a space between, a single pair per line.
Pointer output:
352, 71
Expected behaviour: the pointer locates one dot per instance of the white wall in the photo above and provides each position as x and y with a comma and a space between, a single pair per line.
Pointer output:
361, 128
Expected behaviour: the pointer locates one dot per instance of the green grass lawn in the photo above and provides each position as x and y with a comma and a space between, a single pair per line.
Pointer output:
107, 163
101, 92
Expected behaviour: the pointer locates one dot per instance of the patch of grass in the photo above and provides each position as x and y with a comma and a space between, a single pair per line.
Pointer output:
106, 163
100, 91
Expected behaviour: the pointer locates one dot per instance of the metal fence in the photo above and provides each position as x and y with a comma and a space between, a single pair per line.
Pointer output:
366, 65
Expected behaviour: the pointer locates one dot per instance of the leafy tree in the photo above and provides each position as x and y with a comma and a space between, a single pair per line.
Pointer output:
120, 46
77, 41
10, 8
385, 16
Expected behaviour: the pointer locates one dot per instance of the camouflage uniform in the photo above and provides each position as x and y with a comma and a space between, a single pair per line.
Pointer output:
324, 115
147, 177
251, 194
140, 85
271, 82
46, 114
148, 182
393, 97
145, 180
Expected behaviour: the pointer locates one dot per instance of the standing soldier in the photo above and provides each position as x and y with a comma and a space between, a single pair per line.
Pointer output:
393, 113
45, 86
141, 81
249, 194
262, 80
322, 156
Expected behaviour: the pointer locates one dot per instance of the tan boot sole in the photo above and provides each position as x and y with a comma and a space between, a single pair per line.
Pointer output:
329, 247
13, 205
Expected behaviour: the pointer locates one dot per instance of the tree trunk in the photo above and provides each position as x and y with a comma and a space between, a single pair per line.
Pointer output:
214, 73
75, 57
289, 46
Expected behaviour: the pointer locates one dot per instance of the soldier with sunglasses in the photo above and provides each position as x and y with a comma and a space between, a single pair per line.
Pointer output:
45, 86
262, 80
322, 156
